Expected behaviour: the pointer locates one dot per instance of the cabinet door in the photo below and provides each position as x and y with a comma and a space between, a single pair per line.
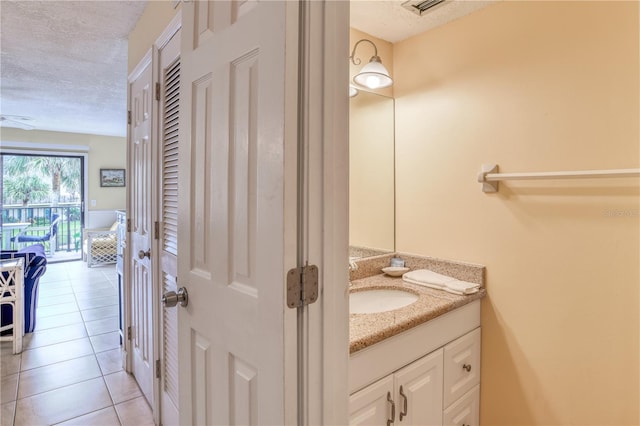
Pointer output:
370, 406
465, 411
419, 391
461, 366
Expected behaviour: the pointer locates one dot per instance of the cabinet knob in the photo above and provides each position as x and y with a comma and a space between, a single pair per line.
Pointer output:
466, 367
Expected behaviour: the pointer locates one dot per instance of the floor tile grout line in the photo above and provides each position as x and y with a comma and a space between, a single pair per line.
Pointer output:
95, 353
53, 344
84, 323
61, 387
15, 403
57, 362
105, 380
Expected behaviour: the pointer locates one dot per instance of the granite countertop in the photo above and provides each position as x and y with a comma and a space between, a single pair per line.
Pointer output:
368, 329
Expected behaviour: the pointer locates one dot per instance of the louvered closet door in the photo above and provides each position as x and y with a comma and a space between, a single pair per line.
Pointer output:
168, 225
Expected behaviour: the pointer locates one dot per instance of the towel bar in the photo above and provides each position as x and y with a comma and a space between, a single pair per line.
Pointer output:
489, 176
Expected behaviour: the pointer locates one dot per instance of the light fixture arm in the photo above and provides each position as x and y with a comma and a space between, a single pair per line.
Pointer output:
357, 61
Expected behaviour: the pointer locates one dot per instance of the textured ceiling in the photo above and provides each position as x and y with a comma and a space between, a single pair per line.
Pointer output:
64, 63
388, 20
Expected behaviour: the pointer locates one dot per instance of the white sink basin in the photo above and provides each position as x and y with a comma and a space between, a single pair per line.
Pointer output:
374, 301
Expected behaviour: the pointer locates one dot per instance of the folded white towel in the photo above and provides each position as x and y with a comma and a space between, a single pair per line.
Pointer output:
425, 276
434, 286
461, 287
432, 279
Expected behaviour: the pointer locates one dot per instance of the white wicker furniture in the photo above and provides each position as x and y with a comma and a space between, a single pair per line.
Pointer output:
11, 289
100, 246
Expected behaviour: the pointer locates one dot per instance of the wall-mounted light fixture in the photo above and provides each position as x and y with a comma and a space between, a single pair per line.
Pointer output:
373, 75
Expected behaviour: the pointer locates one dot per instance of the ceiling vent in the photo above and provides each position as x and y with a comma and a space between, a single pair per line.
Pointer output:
421, 7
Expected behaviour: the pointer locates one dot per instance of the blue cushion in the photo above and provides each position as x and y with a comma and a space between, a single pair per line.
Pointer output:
35, 260
38, 249
34, 238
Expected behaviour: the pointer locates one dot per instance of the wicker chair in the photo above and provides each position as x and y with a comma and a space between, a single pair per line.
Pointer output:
100, 246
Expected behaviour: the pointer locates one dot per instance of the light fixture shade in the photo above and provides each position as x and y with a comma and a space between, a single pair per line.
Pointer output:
353, 91
373, 75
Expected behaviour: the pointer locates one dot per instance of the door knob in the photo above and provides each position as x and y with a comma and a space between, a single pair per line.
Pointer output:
142, 254
171, 298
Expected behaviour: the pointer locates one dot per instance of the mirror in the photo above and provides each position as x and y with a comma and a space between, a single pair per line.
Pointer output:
371, 175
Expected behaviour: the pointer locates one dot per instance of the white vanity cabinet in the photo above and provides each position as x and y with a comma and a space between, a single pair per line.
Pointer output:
411, 396
439, 386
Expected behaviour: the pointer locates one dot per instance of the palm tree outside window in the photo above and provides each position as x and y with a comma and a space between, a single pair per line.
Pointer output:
34, 188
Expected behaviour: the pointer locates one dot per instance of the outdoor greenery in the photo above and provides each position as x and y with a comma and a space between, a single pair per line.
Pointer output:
24, 188
34, 187
33, 179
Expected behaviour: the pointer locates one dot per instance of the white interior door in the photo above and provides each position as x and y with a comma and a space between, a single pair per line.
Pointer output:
234, 242
167, 213
139, 213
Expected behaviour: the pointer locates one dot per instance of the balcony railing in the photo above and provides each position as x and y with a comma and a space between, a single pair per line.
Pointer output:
68, 238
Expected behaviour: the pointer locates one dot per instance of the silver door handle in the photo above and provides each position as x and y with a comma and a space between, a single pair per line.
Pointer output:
171, 298
142, 254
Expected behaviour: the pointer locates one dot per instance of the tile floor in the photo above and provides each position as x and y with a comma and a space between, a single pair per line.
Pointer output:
70, 371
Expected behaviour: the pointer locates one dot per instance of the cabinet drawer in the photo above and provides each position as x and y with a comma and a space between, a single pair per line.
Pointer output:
461, 366
465, 411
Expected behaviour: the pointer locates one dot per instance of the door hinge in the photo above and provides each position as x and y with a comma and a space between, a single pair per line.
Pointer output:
128, 225
129, 333
302, 286
157, 368
128, 117
156, 230
157, 91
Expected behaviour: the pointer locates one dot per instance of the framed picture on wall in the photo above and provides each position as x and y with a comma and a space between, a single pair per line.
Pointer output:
112, 177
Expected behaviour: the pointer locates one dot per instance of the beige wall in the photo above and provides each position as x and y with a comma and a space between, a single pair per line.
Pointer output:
532, 86
105, 152
153, 21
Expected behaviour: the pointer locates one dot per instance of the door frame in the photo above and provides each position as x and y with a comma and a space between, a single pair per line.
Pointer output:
327, 210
